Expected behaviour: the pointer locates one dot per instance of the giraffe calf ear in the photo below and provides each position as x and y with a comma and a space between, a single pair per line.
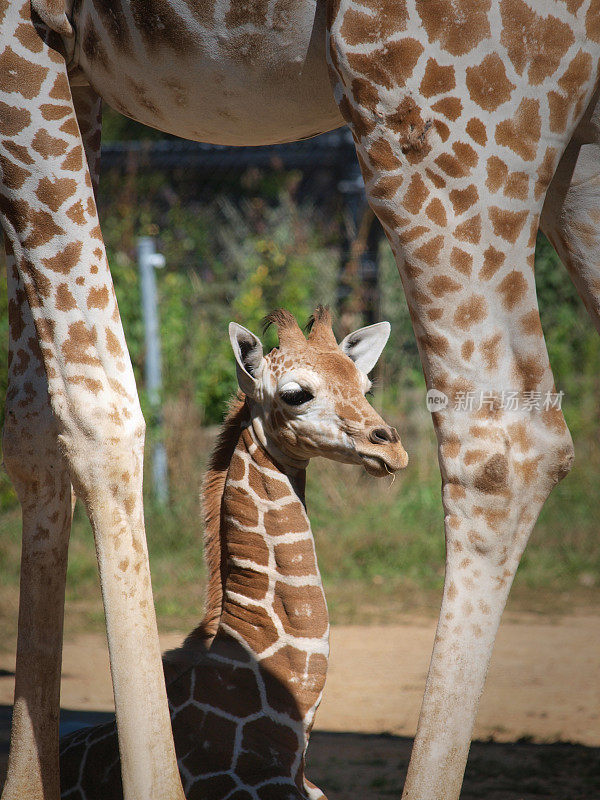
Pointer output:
365, 345
248, 352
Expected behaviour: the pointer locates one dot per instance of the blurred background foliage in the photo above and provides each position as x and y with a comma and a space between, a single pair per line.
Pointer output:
224, 261
269, 239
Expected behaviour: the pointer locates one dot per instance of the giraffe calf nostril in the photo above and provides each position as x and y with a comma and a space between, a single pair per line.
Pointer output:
383, 436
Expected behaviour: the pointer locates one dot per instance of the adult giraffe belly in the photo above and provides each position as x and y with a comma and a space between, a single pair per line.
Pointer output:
222, 71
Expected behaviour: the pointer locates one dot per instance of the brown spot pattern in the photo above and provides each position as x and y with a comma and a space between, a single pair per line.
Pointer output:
463, 199
513, 289
416, 194
19, 75
490, 350
385, 19
470, 230
76, 348
54, 193
287, 519
507, 224
47, 145
13, 120
437, 79
493, 477
450, 107
66, 259
492, 261
98, 298
64, 299
476, 130
383, 156
301, 609
440, 285
461, 261
533, 41
488, 83
522, 133
390, 66
471, 312
409, 126
458, 26
436, 212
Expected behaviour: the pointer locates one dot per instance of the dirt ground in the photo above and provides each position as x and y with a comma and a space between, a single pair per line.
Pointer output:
538, 724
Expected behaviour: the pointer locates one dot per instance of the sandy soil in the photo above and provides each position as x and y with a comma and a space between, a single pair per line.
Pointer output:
542, 688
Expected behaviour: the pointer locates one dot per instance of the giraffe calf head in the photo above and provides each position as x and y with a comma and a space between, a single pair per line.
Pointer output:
307, 396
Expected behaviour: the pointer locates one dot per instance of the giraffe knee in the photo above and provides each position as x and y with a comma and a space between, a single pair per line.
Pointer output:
100, 455
494, 469
492, 505
548, 464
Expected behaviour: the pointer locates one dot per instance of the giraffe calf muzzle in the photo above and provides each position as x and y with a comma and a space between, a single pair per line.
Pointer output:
385, 455
382, 454
380, 467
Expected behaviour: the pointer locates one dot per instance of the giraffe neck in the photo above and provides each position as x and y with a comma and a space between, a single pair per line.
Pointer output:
243, 692
273, 600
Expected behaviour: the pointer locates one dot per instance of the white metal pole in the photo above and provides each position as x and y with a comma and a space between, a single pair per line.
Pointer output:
149, 260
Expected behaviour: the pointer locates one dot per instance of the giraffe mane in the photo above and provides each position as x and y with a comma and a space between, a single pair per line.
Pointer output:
213, 488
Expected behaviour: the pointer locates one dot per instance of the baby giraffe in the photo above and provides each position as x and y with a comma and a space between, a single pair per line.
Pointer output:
244, 687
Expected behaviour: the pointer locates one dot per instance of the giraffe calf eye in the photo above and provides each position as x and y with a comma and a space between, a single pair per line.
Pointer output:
296, 397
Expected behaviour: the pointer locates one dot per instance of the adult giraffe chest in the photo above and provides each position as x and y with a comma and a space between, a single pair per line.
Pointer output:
220, 71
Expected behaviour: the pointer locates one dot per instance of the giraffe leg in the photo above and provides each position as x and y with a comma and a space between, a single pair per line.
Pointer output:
459, 189
571, 217
49, 218
38, 472
88, 110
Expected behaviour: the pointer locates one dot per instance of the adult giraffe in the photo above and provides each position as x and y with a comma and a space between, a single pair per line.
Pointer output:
461, 111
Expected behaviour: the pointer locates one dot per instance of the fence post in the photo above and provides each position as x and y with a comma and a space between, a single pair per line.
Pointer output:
149, 260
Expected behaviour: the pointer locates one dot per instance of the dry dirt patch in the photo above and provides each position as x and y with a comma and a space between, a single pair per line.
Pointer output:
543, 682
542, 687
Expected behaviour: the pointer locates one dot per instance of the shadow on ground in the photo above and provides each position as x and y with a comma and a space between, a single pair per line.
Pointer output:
351, 765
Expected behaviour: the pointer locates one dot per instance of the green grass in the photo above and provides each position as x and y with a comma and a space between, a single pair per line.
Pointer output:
380, 542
